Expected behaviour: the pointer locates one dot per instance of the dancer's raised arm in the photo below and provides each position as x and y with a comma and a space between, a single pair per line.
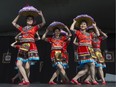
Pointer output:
96, 29
44, 36
75, 42
38, 36
43, 19
103, 34
14, 22
69, 32
13, 44
72, 26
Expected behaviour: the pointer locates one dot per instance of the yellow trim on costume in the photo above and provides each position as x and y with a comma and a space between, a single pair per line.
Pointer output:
25, 46
23, 49
58, 55
99, 56
84, 54
92, 52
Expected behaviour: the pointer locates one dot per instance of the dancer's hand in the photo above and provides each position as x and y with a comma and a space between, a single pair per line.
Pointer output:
39, 38
47, 30
40, 13
94, 24
74, 20
100, 30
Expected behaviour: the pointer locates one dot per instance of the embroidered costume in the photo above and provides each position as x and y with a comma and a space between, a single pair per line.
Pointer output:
58, 50
96, 42
84, 49
27, 36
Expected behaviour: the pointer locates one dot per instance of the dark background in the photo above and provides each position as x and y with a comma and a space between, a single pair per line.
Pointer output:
103, 11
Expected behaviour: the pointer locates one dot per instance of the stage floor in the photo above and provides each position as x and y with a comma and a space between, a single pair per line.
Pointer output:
58, 85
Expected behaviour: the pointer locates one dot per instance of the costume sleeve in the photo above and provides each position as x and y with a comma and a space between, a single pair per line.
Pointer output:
102, 38
76, 32
20, 28
17, 46
49, 39
36, 28
65, 38
92, 35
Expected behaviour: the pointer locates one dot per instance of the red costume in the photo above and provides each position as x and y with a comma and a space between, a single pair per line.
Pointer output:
84, 49
27, 36
96, 42
22, 52
58, 49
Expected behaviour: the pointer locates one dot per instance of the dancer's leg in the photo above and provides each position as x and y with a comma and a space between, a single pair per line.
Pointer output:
88, 78
22, 70
62, 72
92, 71
81, 73
54, 75
101, 73
16, 76
27, 69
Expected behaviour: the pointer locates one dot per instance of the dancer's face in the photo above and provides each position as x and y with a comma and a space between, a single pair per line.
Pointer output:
30, 21
83, 25
57, 32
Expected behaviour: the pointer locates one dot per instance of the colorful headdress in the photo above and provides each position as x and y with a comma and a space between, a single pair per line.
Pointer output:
56, 24
28, 10
84, 17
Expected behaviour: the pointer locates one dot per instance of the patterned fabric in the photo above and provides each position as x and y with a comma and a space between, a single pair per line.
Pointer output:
65, 65
22, 59
100, 65
58, 50
100, 57
25, 47
96, 42
27, 37
81, 62
84, 49
58, 55
57, 43
33, 52
84, 37
28, 33
28, 51
91, 50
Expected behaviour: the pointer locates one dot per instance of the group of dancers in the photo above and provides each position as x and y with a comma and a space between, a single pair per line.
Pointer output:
88, 39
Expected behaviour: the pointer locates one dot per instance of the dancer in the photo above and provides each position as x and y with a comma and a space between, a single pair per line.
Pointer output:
80, 67
85, 51
65, 62
96, 42
28, 33
58, 56
22, 61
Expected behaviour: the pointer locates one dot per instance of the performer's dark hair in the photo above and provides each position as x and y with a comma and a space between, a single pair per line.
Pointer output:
56, 28
83, 21
29, 16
